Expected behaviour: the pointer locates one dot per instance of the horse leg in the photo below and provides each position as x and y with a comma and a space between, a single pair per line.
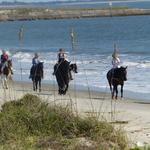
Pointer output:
2, 80
66, 89
33, 85
112, 92
6, 83
121, 91
110, 86
61, 91
116, 87
40, 85
36, 85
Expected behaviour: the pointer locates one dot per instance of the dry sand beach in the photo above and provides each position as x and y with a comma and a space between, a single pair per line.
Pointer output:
131, 115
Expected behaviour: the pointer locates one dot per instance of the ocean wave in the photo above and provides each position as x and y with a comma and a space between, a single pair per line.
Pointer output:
142, 64
91, 69
21, 55
129, 63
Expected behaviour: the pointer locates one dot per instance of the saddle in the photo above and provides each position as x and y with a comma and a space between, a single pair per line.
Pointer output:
32, 71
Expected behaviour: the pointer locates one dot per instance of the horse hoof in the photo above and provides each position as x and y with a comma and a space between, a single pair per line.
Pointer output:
116, 98
59, 93
39, 90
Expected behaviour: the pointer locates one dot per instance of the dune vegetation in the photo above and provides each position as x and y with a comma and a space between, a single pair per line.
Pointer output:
30, 123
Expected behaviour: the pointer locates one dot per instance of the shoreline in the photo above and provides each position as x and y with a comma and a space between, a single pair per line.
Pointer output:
24, 14
128, 95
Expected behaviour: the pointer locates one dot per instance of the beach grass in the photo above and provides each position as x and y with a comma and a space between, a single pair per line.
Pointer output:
30, 123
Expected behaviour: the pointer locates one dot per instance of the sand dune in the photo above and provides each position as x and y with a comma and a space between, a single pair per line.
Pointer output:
131, 115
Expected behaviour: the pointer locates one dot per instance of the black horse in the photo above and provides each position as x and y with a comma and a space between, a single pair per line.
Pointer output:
117, 77
36, 74
62, 71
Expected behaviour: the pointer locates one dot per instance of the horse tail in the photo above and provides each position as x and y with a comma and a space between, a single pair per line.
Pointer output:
109, 79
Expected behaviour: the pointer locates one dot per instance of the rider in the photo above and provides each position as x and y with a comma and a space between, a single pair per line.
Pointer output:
35, 59
4, 59
115, 60
61, 55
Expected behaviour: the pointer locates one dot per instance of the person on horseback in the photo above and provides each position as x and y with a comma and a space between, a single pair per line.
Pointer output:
62, 57
4, 61
115, 60
35, 62
4, 57
35, 59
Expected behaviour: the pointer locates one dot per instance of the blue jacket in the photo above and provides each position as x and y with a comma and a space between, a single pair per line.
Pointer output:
35, 61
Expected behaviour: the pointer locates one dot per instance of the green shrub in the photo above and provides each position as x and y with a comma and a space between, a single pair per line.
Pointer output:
31, 123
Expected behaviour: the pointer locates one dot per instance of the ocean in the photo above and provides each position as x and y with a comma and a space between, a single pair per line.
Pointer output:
99, 3
94, 39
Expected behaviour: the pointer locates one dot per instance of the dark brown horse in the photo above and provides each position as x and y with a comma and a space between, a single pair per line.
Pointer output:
6, 73
117, 77
62, 71
36, 74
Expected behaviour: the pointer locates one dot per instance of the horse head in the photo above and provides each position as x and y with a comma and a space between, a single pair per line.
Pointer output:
40, 65
9, 62
73, 67
123, 73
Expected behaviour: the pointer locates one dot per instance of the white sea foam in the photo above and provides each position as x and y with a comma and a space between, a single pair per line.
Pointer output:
129, 63
21, 55
145, 64
91, 70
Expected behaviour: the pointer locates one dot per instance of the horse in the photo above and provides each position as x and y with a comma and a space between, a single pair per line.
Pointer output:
62, 71
6, 73
116, 77
36, 74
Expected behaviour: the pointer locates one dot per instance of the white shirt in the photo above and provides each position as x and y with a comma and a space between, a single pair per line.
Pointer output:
116, 62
